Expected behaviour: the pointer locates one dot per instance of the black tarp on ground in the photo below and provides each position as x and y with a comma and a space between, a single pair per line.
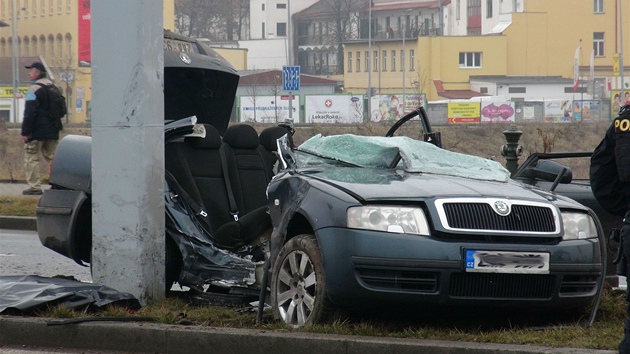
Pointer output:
31, 292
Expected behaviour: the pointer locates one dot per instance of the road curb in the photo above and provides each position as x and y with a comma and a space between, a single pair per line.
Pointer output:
28, 223
166, 339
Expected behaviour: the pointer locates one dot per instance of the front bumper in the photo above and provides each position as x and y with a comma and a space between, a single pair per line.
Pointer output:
379, 267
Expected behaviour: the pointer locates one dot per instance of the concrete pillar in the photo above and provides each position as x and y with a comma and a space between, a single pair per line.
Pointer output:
128, 147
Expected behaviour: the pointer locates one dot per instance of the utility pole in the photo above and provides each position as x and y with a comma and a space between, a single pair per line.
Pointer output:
369, 64
14, 63
621, 93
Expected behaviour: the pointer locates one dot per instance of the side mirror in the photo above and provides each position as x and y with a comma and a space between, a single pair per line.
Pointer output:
548, 170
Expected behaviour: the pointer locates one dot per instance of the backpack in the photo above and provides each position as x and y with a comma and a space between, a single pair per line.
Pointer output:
57, 108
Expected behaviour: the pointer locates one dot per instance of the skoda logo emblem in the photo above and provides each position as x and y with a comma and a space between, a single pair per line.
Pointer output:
501, 207
185, 58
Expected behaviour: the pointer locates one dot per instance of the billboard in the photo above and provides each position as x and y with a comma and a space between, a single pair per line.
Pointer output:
268, 109
497, 111
84, 34
333, 109
390, 107
464, 113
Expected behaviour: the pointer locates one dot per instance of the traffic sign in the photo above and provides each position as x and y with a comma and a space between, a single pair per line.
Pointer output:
291, 78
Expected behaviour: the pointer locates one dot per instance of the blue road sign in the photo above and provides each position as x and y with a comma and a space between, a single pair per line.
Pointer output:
291, 78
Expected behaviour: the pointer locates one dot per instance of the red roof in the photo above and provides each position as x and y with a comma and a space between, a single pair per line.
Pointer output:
455, 94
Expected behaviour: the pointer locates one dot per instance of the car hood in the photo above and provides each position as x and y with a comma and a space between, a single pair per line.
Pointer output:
370, 184
197, 82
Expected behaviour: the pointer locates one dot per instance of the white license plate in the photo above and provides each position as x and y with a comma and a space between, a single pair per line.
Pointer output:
507, 262
174, 45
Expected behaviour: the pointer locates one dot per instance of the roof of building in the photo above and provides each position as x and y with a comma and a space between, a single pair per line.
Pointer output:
523, 80
274, 77
408, 5
455, 94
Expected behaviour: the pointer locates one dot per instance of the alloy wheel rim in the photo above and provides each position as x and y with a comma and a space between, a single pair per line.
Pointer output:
296, 288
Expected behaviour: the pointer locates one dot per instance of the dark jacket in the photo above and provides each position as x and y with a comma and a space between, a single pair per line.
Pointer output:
610, 167
36, 125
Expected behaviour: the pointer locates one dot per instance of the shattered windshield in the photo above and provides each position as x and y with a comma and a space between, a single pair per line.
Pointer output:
405, 153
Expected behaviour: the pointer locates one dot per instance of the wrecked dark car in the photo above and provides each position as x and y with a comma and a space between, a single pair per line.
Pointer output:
337, 219
392, 220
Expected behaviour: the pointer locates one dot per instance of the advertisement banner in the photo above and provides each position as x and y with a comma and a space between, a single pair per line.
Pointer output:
583, 110
390, 107
268, 109
464, 113
85, 38
558, 111
333, 109
497, 111
616, 102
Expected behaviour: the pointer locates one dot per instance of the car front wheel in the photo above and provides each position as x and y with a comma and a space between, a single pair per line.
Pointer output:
298, 283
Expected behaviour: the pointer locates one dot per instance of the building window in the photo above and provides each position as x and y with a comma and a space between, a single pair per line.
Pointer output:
43, 7
393, 61
263, 30
517, 90
263, 7
458, 6
384, 60
281, 29
59, 6
489, 8
367, 62
34, 7
34, 45
483, 90
358, 61
598, 43
51, 7
69, 6
42, 45
349, 62
598, 6
375, 66
470, 60
60, 47
51, 43
69, 45
281, 6
402, 60
412, 60
27, 46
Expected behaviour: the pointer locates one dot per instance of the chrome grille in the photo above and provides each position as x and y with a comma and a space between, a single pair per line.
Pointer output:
479, 215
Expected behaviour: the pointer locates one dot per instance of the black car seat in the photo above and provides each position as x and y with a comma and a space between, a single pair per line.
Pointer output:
197, 166
248, 176
268, 147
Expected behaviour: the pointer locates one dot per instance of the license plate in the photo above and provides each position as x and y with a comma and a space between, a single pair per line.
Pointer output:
507, 262
174, 45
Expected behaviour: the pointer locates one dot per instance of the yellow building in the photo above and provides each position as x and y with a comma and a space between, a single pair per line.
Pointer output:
541, 41
57, 31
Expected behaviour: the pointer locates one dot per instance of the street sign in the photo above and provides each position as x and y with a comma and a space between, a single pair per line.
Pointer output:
291, 78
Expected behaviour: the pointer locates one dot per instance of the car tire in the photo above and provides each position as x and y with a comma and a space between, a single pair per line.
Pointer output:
298, 283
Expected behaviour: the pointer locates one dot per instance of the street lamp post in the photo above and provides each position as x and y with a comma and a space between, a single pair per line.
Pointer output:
402, 64
368, 61
14, 62
404, 59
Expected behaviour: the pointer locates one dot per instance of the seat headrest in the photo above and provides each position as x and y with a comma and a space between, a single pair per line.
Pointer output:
269, 136
241, 136
212, 139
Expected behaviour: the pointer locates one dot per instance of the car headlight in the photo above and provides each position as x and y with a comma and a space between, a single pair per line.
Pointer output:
404, 220
578, 226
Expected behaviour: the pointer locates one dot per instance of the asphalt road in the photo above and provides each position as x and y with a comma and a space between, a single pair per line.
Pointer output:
21, 253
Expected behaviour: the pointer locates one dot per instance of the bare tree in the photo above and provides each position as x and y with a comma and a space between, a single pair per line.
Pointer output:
217, 20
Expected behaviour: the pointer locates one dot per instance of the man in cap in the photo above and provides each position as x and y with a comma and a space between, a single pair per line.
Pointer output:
39, 134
